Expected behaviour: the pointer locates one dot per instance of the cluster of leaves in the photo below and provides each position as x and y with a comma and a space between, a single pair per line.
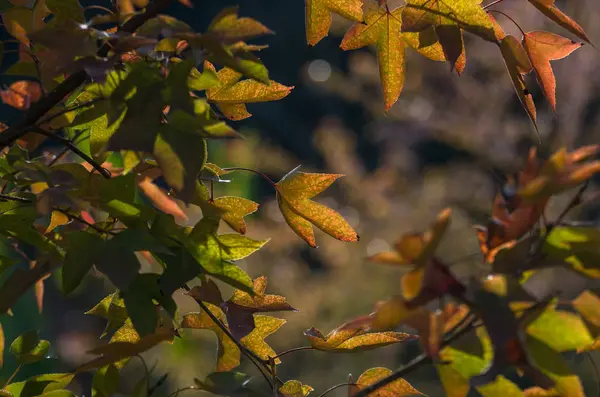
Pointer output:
435, 29
132, 95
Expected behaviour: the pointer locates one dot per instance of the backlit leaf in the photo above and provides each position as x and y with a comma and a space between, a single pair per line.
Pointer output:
21, 94
229, 28
116, 351
560, 330
517, 63
345, 339
397, 388
549, 9
57, 219
111, 308
294, 388
228, 353
543, 47
588, 305
382, 28
255, 341
232, 94
468, 15
318, 16
294, 193
29, 348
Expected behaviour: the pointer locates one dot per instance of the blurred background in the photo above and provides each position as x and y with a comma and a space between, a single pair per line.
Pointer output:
443, 144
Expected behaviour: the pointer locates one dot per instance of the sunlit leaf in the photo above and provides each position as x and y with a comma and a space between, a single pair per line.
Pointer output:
294, 388
232, 94
549, 9
318, 16
382, 28
116, 351
543, 47
347, 339
229, 28
294, 194
21, 94
29, 348
255, 341
397, 388
112, 309
468, 15
228, 354
51, 384
560, 330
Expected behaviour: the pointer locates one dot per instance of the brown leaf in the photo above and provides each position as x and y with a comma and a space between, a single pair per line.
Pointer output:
22, 94
160, 199
548, 8
543, 47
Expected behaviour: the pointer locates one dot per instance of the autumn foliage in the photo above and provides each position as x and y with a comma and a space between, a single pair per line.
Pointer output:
147, 92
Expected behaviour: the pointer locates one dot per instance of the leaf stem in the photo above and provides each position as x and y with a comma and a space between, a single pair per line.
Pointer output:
493, 3
176, 392
10, 379
295, 349
83, 221
510, 18
264, 176
332, 388
103, 171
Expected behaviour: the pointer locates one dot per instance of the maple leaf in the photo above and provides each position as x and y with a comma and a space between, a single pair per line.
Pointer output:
428, 43
518, 65
348, 338
229, 28
21, 94
294, 193
318, 16
397, 388
255, 341
383, 29
228, 352
512, 217
548, 8
562, 171
294, 388
240, 308
231, 94
543, 47
467, 15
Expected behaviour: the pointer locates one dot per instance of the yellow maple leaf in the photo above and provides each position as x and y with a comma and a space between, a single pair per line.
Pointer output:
231, 94
318, 16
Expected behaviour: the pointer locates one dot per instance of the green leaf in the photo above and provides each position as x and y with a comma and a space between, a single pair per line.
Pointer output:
29, 348
202, 81
111, 308
180, 157
106, 381
560, 330
83, 249
552, 364
41, 385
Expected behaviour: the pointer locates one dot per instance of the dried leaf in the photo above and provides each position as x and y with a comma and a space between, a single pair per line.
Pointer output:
294, 388
21, 94
548, 8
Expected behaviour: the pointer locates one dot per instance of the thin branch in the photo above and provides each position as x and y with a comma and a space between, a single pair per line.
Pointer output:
510, 18
332, 388
83, 221
493, 3
295, 349
257, 361
40, 108
103, 171
264, 176
459, 330
13, 375
65, 150
67, 110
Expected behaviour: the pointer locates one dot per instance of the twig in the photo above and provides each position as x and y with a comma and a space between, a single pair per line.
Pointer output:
257, 361
65, 150
295, 349
103, 171
83, 221
332, 388
10, 379
493, 3
40, 108
459, 330
67, 110
176, 392
264, 176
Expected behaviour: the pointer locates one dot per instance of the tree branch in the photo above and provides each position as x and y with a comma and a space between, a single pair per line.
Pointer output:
40, 108
459, 330
103, 171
